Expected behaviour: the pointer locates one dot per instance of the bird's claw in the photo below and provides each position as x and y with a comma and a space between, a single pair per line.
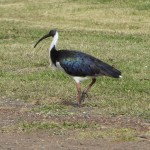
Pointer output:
83, 96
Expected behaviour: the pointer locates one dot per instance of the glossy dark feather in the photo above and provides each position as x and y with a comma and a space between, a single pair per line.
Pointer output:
77, 63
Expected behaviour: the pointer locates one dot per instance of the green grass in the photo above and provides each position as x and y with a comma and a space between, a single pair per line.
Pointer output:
26, 126
116, 32
54, 109
114, 134
54, 127
85, 130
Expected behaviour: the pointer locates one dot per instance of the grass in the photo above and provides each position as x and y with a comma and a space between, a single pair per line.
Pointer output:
54, 109
80, 129
83, 130
26, 126
116, 32
123, 134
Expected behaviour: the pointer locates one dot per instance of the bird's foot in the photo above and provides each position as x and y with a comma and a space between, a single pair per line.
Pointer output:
82, 98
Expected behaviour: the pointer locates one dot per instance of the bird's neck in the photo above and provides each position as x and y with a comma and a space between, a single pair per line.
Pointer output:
54, 42
52, 47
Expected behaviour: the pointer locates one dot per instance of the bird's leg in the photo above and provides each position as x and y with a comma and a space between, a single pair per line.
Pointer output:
78, 93
87, 89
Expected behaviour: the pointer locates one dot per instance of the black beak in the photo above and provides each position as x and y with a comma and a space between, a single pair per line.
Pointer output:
42, 38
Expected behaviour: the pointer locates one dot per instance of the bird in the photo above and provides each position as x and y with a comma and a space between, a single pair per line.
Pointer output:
78, 65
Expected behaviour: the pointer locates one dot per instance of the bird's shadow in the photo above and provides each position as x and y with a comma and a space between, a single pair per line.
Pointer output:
73, 104
69, 103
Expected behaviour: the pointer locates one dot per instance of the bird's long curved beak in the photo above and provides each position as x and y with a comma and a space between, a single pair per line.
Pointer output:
42, 38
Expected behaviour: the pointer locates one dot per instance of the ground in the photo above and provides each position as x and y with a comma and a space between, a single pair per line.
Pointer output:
37, 103
13, 137
42, 140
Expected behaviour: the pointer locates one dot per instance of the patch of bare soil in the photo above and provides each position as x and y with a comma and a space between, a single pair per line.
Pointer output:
42, 140
12, 112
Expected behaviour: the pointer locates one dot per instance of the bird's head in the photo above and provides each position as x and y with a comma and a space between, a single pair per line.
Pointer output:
51, 33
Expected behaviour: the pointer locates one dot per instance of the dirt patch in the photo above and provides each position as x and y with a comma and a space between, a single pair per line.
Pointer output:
12, 112
42, 140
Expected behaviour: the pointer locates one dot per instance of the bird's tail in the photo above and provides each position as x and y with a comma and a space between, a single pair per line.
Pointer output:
110, 71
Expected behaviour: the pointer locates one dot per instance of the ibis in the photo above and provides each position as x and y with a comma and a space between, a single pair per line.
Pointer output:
78, 65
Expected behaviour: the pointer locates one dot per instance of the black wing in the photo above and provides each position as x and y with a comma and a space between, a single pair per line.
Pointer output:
76, 63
